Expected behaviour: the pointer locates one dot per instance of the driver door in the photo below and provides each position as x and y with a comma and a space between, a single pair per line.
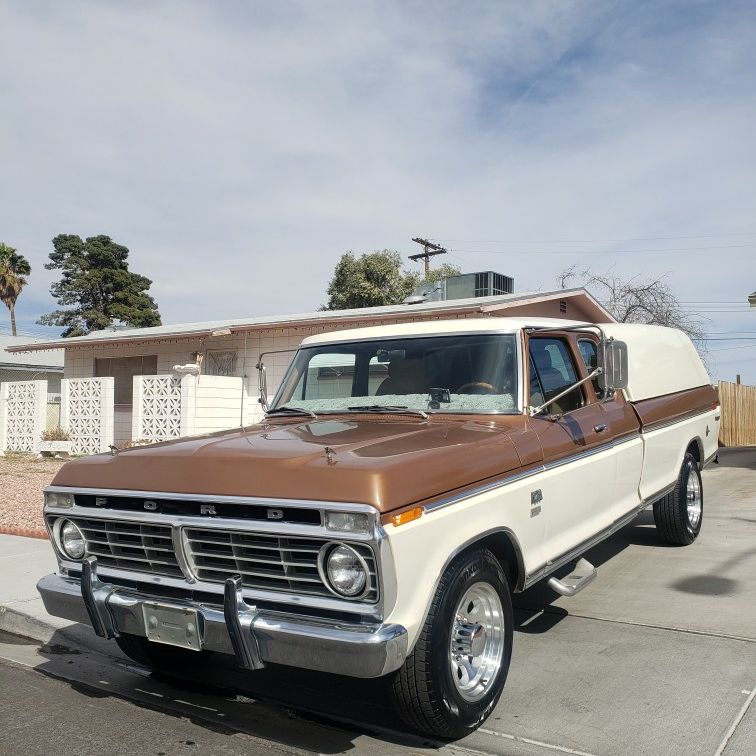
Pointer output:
578, 484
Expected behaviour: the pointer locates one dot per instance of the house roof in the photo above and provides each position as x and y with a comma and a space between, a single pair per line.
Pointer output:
10, 359
483, 305
439, 328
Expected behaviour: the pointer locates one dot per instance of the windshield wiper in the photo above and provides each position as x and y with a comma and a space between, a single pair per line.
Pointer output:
389, 408
290, 411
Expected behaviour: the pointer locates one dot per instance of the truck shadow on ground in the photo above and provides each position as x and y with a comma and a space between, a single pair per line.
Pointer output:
292, 707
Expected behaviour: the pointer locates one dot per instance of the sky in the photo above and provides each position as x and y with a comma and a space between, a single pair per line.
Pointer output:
239, 148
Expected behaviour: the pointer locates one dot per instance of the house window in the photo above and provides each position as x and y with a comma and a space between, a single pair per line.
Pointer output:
123, 370
221, 363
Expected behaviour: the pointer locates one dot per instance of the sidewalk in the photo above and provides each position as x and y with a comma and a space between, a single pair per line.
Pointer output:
23, 561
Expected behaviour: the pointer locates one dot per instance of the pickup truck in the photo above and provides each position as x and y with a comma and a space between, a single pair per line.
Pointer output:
405, 482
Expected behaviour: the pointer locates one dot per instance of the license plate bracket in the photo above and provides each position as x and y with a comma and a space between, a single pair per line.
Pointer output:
172, 625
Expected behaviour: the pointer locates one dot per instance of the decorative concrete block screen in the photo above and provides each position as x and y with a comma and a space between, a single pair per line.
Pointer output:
23, 415
158, 401
86, 412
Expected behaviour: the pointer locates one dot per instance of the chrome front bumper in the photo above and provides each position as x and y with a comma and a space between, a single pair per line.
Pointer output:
254, 637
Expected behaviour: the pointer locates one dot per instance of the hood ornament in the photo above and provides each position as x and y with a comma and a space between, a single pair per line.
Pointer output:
330, 455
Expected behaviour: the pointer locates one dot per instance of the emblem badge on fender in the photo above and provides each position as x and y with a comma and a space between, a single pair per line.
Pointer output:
536, 497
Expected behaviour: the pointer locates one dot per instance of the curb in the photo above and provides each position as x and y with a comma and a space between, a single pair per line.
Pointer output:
25, 532
19, 623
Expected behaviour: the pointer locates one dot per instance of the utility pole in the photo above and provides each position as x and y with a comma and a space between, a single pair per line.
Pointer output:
429, 250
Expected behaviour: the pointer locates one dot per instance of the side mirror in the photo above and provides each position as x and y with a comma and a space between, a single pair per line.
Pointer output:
613, 376
262, 385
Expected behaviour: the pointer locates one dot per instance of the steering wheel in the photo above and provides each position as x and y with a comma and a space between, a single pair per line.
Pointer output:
488, 388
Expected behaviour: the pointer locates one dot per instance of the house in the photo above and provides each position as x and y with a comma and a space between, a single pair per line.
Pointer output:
126, 385
28, 366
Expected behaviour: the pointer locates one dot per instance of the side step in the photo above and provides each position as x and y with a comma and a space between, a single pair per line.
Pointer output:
583, 574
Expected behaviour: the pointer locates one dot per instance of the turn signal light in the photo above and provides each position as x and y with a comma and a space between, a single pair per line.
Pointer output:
405, 517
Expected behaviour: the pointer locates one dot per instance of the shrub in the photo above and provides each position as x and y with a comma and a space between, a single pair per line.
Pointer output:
56, 434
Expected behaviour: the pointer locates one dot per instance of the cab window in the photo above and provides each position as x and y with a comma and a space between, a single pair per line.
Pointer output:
554, 369
589, 353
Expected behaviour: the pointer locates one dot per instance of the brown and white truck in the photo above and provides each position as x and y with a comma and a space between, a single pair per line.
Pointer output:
406, 481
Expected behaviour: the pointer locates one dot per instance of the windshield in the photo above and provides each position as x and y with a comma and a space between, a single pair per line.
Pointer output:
461, 373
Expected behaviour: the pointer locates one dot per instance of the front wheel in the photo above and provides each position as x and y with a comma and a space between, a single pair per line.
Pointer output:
679, 515
454, 676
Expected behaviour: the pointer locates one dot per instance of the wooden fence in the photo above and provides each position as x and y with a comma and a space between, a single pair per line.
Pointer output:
738, 426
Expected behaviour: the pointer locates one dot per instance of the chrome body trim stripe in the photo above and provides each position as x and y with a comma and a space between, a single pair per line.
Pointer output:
514, 477
681, 419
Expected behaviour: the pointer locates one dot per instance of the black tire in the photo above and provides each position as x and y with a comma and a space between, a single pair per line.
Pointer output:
425, 694
673, 522
168, 660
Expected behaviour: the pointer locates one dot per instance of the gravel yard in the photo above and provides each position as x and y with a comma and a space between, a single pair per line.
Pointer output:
22, 478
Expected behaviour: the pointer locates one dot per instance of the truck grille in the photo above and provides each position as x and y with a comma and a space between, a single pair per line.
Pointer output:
265, 561
131, 546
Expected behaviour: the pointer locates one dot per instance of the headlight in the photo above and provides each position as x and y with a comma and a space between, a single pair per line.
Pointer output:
71, 539
58, 499
348, 522
346, 571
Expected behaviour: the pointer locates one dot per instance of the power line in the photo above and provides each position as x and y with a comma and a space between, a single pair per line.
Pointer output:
599, 251
593, 241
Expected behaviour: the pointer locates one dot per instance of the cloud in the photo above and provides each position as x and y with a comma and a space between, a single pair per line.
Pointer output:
239, 148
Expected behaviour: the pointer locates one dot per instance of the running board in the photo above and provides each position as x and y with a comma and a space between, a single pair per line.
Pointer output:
583, 573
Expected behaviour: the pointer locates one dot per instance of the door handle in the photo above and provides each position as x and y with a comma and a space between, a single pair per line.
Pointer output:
600, 428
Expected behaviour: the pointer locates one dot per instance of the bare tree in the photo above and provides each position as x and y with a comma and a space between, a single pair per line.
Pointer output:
637, 300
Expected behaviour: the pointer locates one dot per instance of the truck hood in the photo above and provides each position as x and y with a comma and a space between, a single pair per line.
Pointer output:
388, 462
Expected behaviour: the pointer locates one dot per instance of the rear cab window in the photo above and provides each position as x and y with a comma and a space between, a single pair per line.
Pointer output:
589, 353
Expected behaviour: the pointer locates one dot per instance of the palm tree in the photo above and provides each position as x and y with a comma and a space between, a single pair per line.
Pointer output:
13, 271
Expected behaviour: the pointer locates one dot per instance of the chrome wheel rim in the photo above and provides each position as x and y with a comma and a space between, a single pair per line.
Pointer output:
477, 641
694, 500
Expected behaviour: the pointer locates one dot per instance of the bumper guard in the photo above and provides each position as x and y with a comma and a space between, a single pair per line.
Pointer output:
253, 636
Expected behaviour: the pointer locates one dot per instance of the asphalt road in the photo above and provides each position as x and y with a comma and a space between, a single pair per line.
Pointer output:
657, 656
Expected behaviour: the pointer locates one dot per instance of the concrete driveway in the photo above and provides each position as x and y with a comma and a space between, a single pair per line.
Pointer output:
657, 656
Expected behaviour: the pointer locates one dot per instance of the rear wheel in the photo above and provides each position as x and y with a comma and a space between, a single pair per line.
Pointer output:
168, 660
679, 515
454, 677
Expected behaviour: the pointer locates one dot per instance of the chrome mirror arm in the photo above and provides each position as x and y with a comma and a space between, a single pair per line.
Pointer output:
532, 411
262, 385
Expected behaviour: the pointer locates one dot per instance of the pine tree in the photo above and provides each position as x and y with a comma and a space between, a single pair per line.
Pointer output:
97, 287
